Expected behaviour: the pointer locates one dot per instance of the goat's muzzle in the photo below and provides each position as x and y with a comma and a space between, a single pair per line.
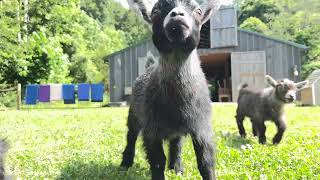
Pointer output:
177, 30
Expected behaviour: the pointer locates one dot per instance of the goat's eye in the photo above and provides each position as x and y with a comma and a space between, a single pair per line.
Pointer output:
286, 87
199, 11
154, 11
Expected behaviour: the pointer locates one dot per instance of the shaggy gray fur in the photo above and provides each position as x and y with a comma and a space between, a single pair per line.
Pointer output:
264, 105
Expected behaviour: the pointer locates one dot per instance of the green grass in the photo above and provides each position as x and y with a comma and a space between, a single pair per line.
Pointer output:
87, 143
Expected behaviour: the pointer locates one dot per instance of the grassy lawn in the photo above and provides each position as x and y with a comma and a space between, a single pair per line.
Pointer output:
86, 143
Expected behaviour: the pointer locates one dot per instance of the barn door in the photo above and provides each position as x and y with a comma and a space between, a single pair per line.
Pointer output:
224, 28
247, 67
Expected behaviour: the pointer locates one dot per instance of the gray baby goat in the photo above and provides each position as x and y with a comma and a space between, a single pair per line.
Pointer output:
171, 99
264, 105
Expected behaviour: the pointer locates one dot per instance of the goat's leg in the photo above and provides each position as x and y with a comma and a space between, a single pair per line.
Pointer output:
261, 131
175, 155
281, 125
254, 128
133, 132
156, 157
204, 150
240, 119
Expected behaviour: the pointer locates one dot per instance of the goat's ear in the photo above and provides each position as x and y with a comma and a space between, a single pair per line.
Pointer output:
271, 81
141, 7
209, 8
301, 84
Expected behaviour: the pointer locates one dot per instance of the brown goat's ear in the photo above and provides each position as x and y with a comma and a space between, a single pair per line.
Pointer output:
209, 8
141, 7
271, 81
301, 84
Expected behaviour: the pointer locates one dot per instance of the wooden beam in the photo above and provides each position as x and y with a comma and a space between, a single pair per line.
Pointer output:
18, 85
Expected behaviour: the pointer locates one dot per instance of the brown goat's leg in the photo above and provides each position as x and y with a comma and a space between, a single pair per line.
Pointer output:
175, 155
240, 119
281, 125
205, 157
156, 157
262, 132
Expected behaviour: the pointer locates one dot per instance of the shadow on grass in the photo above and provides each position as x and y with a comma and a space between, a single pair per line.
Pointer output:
234, 140
95, 171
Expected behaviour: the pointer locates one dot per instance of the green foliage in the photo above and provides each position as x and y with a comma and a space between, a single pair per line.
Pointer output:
308, 68
261, 9
8, 99
110, 13
88, 143
254, 24
63, 41
136, 30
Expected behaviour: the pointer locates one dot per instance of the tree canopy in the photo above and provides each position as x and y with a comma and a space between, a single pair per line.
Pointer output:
53, 41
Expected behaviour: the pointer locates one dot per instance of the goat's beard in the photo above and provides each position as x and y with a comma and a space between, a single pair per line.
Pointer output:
177, 32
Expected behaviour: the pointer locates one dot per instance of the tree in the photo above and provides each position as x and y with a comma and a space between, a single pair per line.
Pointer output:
254, 24
264, 10
111, 13
46, 41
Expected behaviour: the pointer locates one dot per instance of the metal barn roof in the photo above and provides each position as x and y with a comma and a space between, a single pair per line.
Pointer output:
313, 77
300, 46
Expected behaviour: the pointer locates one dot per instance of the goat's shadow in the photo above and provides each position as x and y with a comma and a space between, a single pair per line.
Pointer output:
234, 140
96, 171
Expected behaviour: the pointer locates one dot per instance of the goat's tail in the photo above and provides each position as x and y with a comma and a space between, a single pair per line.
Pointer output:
242, 86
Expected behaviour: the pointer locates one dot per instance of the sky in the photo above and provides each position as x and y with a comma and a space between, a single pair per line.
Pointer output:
149, 3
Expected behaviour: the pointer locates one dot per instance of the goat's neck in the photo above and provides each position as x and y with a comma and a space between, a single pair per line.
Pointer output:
178, 64
275, 102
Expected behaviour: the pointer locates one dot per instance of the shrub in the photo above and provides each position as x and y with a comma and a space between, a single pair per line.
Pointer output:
308, 68
254, 24
8, 99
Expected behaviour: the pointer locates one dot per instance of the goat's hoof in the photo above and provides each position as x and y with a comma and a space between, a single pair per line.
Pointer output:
243, 135
124, 166
177, 170
262, 142
275, 142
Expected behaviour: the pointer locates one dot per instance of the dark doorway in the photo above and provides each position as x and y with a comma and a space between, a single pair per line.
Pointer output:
217, 68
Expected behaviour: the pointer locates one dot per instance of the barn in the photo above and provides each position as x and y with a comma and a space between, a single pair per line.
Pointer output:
229, 56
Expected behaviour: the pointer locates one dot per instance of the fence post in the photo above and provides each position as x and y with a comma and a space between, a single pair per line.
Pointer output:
18, 85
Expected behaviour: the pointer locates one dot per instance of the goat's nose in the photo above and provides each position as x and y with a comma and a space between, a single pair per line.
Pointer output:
177, 12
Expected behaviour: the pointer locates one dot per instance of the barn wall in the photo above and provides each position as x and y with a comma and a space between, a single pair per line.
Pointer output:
280, 56
123, 68
280, 59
